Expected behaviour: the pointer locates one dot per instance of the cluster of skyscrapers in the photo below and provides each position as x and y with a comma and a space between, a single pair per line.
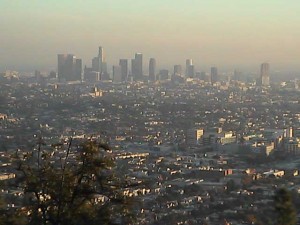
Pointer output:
98, 70
70, 69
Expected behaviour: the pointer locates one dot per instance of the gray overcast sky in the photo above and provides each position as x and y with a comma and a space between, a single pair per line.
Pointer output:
229, 34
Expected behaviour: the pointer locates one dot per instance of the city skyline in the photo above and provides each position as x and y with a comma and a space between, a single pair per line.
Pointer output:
70, 69
231, 34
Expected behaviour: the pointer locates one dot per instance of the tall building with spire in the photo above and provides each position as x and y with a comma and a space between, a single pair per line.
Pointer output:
99, 61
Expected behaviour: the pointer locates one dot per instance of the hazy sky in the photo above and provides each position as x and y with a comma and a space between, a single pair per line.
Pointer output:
225, 33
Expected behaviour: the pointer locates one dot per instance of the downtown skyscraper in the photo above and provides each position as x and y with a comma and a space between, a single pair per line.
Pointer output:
189, 68
177, 70
117, 74
264, 75
137, 67
214, 76
123, 63
99, 64
152, 69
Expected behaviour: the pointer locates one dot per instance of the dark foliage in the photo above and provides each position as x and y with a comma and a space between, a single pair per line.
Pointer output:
71, 185
286, 213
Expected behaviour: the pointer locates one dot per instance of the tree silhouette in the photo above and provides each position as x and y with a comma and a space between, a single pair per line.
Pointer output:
286, 214
72, 184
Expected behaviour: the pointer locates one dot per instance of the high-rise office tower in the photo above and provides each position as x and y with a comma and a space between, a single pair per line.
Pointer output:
68, 67
264, 74
104, 69
191, 71
188, 63
133, 69
98, 62
152, 68
91, 75
101, 54
78, 69
164, 74
102, 63
177, 70
214, 77
117, 75
65, 66
123, 63
137, 67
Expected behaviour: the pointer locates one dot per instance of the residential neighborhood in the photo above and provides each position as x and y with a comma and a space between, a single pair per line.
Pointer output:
197, 153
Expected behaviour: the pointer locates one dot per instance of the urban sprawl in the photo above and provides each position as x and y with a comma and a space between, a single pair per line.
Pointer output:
206, 148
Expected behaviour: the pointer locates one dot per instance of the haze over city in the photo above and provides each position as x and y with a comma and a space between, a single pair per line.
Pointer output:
150, 112
229, 34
